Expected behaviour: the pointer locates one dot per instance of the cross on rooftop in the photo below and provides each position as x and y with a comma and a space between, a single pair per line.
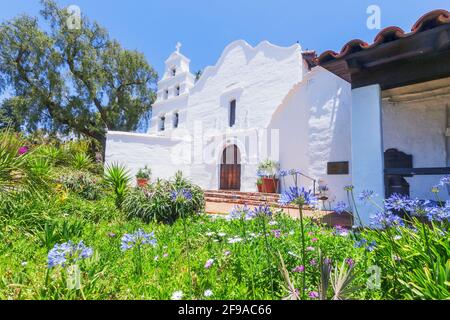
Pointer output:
178, 46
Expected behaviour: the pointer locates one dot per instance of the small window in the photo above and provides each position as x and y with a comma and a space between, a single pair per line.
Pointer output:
173, 72
232, 113
176, 118
166, 94
162, 124
177, 90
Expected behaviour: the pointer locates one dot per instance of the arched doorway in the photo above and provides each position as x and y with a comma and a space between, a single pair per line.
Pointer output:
230, 169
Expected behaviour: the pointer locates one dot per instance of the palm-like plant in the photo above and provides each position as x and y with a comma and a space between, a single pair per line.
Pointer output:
81, 161
118, 178
20, 170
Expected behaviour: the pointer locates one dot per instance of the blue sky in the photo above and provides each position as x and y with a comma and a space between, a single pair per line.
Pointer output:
205, 27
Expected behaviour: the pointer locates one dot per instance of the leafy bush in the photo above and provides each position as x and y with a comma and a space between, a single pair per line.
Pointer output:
156, 202
82, 183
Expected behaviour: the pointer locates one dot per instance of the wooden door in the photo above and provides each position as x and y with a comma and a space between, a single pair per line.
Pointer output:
230, 169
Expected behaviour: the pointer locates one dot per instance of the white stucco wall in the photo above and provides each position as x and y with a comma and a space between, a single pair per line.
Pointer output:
313, 125
162, 155
418, 129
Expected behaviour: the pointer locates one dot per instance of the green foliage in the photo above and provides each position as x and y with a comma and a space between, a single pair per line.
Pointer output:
118, 178
57, 231
81, 161
51, 153
269, 168
415, 261
83, 183
156, 203
144, 173
21, 171
71, 81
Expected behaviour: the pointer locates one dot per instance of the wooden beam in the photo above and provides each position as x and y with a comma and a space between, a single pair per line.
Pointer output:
397, 74
417, 171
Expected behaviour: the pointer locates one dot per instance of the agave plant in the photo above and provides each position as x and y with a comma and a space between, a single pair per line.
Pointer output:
341, 281
52, 153
293, 293
118, 178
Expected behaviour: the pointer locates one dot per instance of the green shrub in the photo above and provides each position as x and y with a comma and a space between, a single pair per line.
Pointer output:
94, 211
156, 203
83, 183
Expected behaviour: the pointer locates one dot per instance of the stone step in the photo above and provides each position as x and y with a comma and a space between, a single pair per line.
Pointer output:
244, 198
242, 195
243, 201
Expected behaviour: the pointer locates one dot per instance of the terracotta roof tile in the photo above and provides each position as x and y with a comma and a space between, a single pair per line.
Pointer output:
428, 21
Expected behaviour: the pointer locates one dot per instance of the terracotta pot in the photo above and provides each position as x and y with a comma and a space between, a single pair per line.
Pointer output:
260, 187
142, 182
270, 185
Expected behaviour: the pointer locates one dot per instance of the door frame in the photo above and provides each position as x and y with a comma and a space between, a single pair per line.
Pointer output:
237, 162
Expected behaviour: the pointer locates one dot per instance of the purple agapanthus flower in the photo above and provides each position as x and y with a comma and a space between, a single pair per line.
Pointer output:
399, 202
313, 295
438, 213
239, 212
366, 195
445, 181
385, 219
341, 207
138, 238
68, 253
262, 211
181, 195
282, 173
298, 196
363, 243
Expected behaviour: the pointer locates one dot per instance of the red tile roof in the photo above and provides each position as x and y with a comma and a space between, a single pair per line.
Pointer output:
428, 21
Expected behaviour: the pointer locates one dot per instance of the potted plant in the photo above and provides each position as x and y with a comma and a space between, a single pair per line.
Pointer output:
259, 184
143, 176
269, 170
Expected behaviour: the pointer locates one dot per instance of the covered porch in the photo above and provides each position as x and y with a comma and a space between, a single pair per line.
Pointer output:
400, 108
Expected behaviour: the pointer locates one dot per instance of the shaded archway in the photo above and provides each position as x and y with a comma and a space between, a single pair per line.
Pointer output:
230, 169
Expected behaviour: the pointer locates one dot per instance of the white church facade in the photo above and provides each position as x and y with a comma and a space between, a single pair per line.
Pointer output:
256, 103
373, 116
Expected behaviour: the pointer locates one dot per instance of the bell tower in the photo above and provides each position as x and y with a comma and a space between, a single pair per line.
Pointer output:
177, 79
